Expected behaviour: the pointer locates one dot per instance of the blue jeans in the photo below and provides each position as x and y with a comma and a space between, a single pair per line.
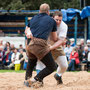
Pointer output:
38, 71
71, 65
25, 65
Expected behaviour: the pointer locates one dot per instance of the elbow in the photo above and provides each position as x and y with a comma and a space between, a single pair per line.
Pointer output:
55, 39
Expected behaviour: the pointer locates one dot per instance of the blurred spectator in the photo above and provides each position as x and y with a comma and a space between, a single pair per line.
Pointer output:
21, 48
1, 42
19, 34
68, 50
7, 46
80, 52
1, 57
74, 59
25, 63
12, 46
67, 41
14, 57
88, 44
72, 42
7, 57
82, 44
1, 33
85, 54
22, 57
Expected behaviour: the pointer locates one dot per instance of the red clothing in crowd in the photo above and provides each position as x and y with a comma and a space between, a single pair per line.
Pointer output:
75, 56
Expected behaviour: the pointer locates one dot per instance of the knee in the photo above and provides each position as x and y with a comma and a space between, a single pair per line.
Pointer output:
64, 67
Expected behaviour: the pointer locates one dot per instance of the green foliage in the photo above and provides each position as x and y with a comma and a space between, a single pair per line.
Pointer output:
34, 4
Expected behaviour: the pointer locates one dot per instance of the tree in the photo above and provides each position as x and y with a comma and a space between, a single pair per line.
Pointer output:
34, 4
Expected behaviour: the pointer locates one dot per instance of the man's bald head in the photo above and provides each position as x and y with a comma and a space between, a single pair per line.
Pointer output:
44, 8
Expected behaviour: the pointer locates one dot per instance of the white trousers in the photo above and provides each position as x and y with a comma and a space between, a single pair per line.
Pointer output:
62, 65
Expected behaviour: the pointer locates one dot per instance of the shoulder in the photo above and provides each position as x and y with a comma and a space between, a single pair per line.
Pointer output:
63, 24
50, 18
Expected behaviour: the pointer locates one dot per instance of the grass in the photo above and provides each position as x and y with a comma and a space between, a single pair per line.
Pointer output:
22, 71
19, 71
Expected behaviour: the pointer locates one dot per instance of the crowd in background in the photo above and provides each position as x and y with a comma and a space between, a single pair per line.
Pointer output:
76, 54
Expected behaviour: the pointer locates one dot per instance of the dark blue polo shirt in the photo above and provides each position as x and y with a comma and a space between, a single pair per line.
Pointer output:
42, 25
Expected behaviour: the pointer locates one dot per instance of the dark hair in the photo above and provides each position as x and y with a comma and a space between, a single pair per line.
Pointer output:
8, 43
15, 49
57, 13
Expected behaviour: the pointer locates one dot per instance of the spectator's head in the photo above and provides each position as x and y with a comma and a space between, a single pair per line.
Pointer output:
19, 31
82, 41
72, 40
74, 49
88, 43
20, 46
8, 44
15, 50
1, 42
68, 44
21, 51
44, 8
78, 45
85, 48
57, 15
1, 31
12, 45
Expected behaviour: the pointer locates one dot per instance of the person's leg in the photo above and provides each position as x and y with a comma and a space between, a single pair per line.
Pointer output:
70, 65
40, 66
73, 65
25, 65
62, 67
50, 67
11, 65
30, 66
22, 62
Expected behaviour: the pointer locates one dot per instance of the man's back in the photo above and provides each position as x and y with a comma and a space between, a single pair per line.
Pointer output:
41, 25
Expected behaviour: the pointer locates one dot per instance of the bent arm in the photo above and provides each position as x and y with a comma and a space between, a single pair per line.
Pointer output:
57, 44
28, 32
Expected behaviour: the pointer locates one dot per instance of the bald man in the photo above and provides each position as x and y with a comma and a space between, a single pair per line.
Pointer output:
41, 26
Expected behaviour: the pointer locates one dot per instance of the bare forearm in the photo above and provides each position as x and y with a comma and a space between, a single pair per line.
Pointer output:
28, 32
56, 44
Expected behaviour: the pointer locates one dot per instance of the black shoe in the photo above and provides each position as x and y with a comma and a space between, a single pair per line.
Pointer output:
58, 79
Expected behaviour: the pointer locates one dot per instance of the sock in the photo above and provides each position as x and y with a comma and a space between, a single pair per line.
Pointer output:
59, 74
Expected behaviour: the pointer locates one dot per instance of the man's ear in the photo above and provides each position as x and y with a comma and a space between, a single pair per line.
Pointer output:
48, 12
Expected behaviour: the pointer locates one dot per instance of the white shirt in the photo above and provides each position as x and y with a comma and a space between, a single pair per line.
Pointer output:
15, 56
40, 65
89, 56
62, 33
62, 30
